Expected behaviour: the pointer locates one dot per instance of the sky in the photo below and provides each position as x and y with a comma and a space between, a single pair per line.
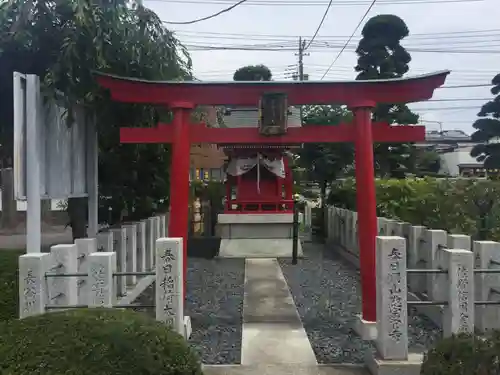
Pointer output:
458, 35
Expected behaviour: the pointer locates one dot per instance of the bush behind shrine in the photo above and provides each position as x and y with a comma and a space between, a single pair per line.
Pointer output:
462, 206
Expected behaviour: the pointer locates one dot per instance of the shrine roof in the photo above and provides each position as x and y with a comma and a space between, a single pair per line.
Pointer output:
231, 93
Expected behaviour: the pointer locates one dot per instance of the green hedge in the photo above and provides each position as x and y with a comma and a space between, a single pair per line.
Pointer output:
464, 354
463, 206
9, 284
93, 342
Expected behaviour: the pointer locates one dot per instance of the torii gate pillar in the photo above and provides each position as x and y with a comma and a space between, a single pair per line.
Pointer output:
366, 207
179, 176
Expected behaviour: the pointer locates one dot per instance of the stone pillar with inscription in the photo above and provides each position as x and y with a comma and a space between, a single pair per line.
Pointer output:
102, 284
63, 291
131, 250
141, 246
33, 293
454, 241
487, 255
459, 313
170, 283
120, 248
85, 247
392, 314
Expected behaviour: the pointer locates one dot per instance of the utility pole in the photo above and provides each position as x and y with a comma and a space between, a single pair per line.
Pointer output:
301, 58
301, 76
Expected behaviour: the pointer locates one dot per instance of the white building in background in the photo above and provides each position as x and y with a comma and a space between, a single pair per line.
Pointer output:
454, 147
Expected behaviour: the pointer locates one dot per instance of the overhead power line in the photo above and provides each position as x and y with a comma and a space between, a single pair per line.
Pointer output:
320, 24
457, 34
207, 17
301, 3
325, 49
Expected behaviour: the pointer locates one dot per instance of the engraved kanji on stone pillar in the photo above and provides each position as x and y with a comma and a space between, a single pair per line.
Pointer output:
392, 314
169, 283
459, 313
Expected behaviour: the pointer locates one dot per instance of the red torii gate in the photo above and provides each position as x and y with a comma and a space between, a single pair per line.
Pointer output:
359, 96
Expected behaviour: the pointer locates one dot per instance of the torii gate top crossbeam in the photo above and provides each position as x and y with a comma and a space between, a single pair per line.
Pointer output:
399, 90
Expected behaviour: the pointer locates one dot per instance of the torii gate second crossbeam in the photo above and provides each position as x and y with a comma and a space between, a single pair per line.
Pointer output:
359, 96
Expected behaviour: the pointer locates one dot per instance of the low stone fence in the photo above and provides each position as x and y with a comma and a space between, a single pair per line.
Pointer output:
448, 277
111, 270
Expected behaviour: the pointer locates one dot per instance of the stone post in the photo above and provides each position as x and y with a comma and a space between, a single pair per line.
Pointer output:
392, 313
335, 224
415, 260
131, 248
157, 227
390, 227
63, 291
487, 255
169, 283
341, 226
85, 247
454, 241
102, 284
459, 313
150, 243
331, 224
307, 215
33, 293
163, 226
353, 232
141, 246
381, 226
434, 241
120, 248
105, 241
348, 230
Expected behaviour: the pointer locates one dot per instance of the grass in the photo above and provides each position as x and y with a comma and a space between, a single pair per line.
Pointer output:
9, 283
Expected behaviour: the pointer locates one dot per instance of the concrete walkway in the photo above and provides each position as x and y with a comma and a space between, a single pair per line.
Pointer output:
272, 330
294, 369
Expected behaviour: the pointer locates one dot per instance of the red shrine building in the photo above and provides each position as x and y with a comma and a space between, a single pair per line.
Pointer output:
259, 178
258, 215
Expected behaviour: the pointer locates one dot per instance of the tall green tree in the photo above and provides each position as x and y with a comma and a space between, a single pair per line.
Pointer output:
253, 73
488, 130
325, 162
63, 43
381, 56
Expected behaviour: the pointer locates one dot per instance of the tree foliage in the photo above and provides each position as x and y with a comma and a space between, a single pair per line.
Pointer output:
427, 162
325, 162
64, 43
488, 130
253, 73
381, 56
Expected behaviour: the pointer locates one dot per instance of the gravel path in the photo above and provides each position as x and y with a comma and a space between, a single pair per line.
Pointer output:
214, 301
215, 305
327, 294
